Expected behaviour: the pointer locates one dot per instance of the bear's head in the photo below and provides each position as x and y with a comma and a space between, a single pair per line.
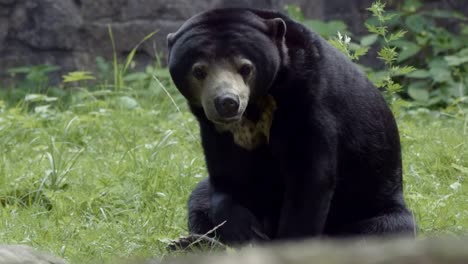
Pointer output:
225, 59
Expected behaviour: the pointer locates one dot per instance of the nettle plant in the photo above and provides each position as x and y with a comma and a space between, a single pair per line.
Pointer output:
437, 59
388, 53
384, 78
439, 55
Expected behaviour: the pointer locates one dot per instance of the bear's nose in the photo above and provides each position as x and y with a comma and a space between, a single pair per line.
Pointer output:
227, 105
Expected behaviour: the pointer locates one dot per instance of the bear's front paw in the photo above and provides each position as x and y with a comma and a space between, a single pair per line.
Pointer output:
240, 227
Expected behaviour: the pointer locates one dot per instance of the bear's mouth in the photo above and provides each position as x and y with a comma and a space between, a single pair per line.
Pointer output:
227, 121
249, 131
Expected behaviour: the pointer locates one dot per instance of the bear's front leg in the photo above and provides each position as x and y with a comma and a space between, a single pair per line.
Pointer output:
308, 155
237, 224
307, 197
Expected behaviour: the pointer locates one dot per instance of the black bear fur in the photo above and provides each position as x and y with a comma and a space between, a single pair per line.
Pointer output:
332, 165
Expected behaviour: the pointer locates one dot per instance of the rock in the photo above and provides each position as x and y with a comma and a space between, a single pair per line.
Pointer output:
72, 33
45, 25
4, 25
371, 251
448, 250
103, 10
7, 2
17, 254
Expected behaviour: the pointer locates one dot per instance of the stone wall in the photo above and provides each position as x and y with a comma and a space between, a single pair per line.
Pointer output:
71, 33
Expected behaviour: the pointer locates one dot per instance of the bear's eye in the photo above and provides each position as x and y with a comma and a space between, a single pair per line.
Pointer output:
245, 70
199, 72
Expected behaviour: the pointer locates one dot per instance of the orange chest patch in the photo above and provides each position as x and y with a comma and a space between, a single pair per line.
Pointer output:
248, 134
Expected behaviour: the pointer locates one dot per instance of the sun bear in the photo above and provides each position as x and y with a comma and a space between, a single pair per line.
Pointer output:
298, 143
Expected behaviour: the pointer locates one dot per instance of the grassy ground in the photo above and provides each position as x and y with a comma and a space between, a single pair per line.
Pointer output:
109, 174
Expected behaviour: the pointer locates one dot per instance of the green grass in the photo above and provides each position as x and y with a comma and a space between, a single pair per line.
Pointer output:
435, 157
108, 174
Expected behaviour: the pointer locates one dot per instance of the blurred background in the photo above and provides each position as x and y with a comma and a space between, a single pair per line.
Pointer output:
71, 34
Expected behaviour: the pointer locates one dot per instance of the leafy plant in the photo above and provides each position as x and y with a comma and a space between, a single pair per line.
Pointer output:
60, 164
326, 29
36, 77
439, 55
353, 50
77, 76
387, 53
384, 78
28, 79
409, 35
121, 70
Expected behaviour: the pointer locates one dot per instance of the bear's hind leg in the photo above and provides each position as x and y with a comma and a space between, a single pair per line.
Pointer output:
199, 221
398, 222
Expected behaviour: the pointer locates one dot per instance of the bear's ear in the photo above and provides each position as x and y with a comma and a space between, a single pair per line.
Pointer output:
277, 28
170, 39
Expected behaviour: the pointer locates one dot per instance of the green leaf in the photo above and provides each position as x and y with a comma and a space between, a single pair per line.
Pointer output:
396, 36
381, 30
162, 73
127, 102
327, 29
440, 76
457, 89
137, 76
444, 41
449, 14
423, 40
463, 52
360, 52
39, 98
418, 23
464, 29
419, 74
455, 61
387, 54
40, 69
78, 76
368, 40
388, 17
460, 168
34, 97
377, 8
100, 93
41, 109
440, 71
398, 71
393, 87
377, 77
407, 49
411, 5
19, 70
419, 91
